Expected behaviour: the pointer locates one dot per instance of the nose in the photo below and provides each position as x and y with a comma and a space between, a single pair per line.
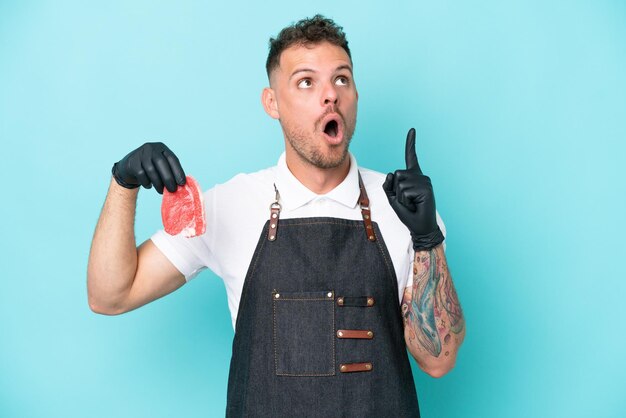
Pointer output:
329, 95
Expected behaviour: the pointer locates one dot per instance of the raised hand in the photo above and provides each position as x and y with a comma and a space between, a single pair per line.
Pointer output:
411, 196
152, 164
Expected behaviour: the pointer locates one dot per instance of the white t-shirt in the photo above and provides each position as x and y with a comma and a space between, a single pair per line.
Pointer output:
237, 210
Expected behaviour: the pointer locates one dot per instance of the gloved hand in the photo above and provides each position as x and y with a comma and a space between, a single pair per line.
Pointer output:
152, 164
411, 196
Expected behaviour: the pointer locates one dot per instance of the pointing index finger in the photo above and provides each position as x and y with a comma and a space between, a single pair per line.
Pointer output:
409, 154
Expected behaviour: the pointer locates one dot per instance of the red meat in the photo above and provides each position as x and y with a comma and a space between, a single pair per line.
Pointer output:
183, 210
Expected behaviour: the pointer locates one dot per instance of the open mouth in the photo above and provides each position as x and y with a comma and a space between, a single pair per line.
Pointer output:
331, 129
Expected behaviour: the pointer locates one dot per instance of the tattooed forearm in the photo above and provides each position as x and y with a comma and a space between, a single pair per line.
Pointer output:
422, 306
431, 308
450, 302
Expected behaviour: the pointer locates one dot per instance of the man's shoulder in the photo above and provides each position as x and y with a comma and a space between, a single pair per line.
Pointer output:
245, 188
253, 179
371, 178
373, 181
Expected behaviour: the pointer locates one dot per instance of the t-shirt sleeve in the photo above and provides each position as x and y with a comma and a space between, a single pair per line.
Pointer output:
190, 255
183, 253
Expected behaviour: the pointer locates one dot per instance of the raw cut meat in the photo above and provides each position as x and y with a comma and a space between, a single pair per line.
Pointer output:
183, 210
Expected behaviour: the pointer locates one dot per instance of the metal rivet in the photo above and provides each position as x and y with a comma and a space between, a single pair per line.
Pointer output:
371, 237
274, 215
368, 366
277, 295
273, 226
343, 368
340, 301
370, 301
366, 216
339, 333
272, 237
370, 334
330, 294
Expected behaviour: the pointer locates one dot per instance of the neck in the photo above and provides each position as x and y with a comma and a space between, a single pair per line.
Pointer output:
318, 180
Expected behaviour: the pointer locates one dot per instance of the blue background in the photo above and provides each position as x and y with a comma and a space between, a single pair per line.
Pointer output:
520, 108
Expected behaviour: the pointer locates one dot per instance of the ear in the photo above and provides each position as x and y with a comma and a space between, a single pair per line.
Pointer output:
268, 98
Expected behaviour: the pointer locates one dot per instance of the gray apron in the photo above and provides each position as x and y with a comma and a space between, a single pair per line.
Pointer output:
319, 331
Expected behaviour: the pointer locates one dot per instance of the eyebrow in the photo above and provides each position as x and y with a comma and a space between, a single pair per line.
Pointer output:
310, 70
301, 70
344, 67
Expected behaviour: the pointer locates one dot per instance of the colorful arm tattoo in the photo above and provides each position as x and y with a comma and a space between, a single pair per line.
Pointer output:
431, 307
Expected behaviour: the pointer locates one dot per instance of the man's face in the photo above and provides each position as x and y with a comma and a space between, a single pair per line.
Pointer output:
315, 99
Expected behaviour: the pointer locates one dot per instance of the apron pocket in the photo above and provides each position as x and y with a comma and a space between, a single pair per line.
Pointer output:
304, 333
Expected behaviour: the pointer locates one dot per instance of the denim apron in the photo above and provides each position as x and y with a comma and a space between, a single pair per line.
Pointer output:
319, 331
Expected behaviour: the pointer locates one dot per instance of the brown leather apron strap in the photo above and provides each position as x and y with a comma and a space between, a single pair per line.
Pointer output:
364, 202
274, 215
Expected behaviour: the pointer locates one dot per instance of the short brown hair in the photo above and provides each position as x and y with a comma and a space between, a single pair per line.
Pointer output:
307, 31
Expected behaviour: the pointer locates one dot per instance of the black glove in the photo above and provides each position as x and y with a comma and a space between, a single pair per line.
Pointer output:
410, 194
151, 164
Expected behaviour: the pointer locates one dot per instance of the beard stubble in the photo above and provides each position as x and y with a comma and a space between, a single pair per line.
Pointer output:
309, 149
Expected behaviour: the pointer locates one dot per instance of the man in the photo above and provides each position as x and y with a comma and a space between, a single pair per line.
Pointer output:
327, 288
